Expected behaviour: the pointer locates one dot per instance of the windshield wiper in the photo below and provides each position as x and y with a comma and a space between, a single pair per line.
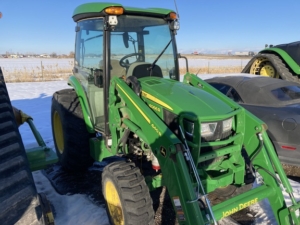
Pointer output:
150, 68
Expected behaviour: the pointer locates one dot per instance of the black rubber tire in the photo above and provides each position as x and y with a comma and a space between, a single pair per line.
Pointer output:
134, 197
75, 153
277, 63
20, 203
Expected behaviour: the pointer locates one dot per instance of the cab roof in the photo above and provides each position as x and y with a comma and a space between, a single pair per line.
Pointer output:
95, 9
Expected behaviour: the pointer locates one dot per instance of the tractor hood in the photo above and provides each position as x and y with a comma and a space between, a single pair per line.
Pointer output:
178, 98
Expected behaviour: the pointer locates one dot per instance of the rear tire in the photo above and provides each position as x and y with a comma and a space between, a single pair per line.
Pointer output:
126, 194
70, 135
20, 203
269, 65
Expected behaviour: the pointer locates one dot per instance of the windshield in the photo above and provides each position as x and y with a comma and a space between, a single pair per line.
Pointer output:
287, 93
136, 42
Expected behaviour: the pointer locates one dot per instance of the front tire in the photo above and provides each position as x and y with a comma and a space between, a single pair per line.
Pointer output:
70, 135
127, 196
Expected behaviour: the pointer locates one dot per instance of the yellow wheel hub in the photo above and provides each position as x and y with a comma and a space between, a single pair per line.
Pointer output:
114, 204
262, 66
58, 132
268, 71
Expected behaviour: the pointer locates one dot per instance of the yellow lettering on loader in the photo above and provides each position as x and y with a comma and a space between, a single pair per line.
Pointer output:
239, 207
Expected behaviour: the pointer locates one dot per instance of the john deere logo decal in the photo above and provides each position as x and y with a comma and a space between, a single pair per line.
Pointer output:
163, 151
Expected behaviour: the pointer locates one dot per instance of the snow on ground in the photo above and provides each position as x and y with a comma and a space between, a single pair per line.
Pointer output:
29, 64
70, 209
9, 64
35, 100
214, 62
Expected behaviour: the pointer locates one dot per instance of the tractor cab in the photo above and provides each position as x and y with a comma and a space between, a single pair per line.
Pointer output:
122, 42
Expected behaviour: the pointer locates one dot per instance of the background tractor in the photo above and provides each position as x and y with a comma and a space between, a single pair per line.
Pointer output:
20, 202
127, 101
279, 61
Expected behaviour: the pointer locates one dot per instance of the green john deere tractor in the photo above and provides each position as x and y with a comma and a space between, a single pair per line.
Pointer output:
279, 61
127, 100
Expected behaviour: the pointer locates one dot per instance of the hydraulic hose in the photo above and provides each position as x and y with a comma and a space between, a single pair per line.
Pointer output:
261, 143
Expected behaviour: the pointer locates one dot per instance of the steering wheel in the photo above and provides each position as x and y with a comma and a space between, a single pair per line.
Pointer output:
127, 64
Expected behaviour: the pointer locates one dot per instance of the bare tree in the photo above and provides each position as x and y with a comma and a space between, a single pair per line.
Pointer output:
53, 55
71, 54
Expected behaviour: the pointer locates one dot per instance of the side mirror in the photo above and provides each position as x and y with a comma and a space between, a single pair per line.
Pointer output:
125, 39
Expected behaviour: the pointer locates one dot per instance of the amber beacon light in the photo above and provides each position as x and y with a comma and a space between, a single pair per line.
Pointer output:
114, 10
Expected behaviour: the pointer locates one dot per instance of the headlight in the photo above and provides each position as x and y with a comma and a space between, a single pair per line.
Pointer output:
227, 125
188, 127
208, 129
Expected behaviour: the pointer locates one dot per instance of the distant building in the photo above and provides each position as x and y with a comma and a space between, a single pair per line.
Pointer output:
249, 53
45, 56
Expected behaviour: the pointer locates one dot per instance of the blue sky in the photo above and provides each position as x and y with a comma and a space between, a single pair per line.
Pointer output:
46, 26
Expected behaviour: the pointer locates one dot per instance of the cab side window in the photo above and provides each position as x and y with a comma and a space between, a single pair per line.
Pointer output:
89, 44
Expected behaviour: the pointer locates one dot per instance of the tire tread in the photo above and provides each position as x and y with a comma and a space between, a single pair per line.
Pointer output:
18, 195
133, 192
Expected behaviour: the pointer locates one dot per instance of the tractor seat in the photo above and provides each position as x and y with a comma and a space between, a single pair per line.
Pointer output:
115, 68
140, 69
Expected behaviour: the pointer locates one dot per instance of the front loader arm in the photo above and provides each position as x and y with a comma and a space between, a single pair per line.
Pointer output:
262, 156
128, 111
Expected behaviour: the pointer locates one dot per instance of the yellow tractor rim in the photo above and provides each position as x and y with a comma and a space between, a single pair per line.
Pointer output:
262, 66
268, 71
114, 204
58, 132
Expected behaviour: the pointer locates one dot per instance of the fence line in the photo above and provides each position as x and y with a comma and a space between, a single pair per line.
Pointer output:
24, 70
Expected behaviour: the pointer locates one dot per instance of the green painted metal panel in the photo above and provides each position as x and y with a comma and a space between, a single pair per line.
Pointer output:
180, 98
154, 182
93, 7
83, 102
286, 57
40, 157
238, 203
100, 6
160, 11
98, 150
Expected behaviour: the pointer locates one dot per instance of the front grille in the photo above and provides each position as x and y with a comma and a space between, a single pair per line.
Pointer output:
171, 120
218, 134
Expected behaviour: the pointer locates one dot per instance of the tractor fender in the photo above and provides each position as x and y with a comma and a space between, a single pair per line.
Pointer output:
73, 81
288, 60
